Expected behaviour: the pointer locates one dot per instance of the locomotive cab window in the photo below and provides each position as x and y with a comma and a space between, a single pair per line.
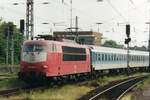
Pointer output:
73, 53
34, 48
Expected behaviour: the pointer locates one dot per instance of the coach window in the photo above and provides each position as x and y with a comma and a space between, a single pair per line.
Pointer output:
103, 57
99, 57
108, 57
114, 57
118, 57
111, 57
121, 57
96, 56
124, 57
132, 57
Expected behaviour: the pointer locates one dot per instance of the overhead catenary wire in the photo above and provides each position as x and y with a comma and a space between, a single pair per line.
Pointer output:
105, 21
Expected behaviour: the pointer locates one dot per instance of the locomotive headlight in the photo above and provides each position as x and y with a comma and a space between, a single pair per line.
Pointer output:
45, 66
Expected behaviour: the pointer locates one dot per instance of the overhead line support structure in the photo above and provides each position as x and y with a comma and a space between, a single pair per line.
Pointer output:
29, 20
149, 44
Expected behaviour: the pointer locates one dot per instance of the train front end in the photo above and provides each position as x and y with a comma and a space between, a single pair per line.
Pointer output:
33, 59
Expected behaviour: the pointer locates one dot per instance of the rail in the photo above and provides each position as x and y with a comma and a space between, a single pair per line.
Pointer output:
114, 90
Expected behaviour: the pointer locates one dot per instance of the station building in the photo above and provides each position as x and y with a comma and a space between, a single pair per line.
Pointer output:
83, 37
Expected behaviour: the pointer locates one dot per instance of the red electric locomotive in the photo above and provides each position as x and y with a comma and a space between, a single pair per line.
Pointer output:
53, 59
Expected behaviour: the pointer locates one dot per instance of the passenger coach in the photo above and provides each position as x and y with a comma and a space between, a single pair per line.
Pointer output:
104, 58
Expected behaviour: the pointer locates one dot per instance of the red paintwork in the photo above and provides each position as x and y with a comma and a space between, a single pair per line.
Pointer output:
55, 63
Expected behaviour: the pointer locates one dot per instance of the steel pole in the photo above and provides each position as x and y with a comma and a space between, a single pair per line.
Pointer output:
128, 59
149, 45
12, 53
7, 46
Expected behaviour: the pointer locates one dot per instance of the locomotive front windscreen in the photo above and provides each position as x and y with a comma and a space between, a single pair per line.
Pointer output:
34, 48
33, 53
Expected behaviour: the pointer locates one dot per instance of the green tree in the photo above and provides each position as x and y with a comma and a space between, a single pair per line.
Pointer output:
110, 43
17, 42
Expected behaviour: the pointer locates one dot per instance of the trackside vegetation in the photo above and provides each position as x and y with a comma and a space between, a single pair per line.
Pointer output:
18, 38
67, 91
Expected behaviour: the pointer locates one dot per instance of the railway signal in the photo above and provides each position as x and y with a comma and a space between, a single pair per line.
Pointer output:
128, 30
127, 40
22, 26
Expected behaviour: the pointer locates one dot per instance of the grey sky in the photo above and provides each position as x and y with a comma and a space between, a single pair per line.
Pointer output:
114, 14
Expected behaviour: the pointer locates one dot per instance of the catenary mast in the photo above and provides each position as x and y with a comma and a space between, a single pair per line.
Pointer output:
29, 20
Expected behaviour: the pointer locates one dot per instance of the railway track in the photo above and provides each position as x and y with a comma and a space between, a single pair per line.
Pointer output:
102, 92
6, 77
15, 91
114, 90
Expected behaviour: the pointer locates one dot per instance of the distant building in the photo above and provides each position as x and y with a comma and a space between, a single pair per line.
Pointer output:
83, 37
